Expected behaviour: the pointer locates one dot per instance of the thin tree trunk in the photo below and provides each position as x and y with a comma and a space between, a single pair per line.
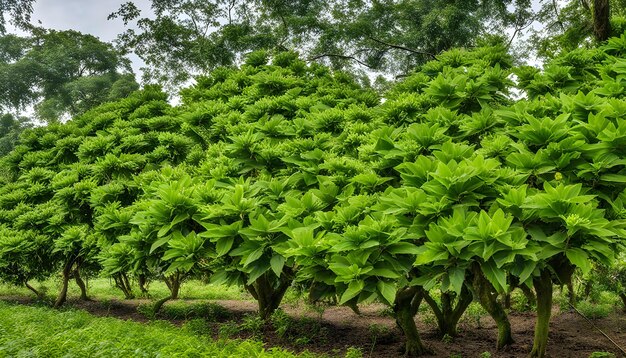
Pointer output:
623, 297
571, 294
405, 307
143, 282
62, 297
173, 284
81, 285
543, 287
122, 282
506, 302
159, 304
488, 298
39, 294
448, 315
601, 19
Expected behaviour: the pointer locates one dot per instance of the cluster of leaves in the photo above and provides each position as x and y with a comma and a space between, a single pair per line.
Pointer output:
286, 172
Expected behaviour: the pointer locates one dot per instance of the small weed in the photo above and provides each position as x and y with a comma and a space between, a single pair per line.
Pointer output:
387, 312
353, 352
253, 324
381, 334
147, 310
485, 355
594, 311
428, 318
198, 326
228, 330
301, 341
305, 328
474, 313
456, 355
447, 339
602, 355
182, 310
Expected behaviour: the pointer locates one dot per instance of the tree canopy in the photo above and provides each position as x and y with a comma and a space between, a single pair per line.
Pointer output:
60, 72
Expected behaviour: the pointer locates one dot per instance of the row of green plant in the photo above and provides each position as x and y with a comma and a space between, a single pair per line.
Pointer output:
287, 174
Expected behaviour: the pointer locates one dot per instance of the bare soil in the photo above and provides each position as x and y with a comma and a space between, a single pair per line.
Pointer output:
376, 334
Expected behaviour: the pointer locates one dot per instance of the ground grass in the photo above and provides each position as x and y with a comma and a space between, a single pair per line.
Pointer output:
104, 289
27, 331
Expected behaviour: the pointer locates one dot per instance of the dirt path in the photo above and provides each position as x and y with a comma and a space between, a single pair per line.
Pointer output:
377, 336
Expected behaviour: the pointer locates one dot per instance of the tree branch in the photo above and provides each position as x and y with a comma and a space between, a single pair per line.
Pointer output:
400, 47
558, 16
345, 57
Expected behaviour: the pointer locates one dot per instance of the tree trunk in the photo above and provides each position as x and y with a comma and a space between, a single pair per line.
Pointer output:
159, 304
39, 294
543, 287
571, 294
67, 272
173, 283
143, 284
601, 19
623, 297
506, 302
448, 315
405, 308
81, 285
122, 282
269, 293
488, 298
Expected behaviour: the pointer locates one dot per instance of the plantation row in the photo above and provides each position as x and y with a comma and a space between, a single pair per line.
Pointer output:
285, 174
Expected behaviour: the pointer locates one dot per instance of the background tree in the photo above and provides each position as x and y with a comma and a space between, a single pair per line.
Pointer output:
61, 72
187, 38
18, 11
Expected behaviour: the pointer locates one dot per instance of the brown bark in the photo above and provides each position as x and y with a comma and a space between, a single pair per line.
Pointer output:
122, 282
143, 284
66, 275
601, 19
81, 285
39, 294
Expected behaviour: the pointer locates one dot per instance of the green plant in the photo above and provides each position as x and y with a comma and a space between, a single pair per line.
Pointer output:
228, 329
485, 355
198, 326
593, 310
252, 324
602, 355
353, 352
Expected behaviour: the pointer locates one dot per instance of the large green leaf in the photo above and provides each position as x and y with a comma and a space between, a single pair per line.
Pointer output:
354, 288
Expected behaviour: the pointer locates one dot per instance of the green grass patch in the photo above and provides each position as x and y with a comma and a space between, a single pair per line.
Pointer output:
27, 331
104, 289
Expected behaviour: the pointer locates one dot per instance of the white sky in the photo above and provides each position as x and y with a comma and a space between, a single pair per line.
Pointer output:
83, 15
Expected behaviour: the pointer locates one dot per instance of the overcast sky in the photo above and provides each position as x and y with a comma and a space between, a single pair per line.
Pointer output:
83, 15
